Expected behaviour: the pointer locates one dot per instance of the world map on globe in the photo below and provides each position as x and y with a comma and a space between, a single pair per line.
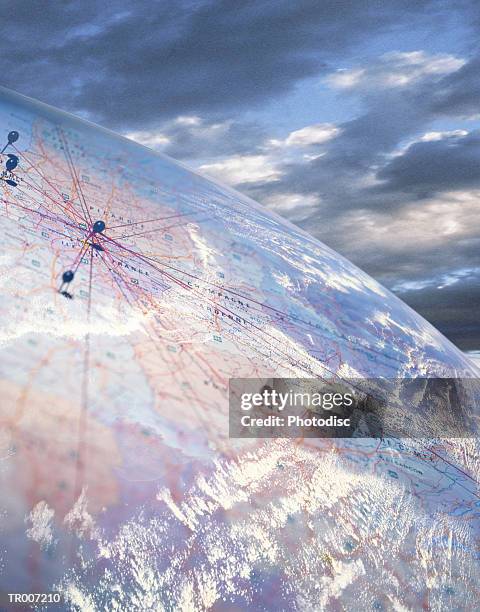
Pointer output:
132, 290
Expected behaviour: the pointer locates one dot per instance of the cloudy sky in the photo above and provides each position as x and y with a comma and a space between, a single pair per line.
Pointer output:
358, 120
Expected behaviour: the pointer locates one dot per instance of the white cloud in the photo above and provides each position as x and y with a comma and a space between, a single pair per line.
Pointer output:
345, 79
199, 128
420, 228
440, 282
294, 206
239, 168
396, 69
408, 67
427, 137
266, 166
40, 521
430, 136
149, 138
159, 138
317, 133
285, 202
188, 120
243, 169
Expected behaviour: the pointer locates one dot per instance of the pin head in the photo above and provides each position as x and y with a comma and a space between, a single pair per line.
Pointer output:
12, 162
12, 136
98, 227
67, 276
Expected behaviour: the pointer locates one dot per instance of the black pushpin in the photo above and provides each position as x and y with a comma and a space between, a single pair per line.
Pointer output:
98, 227
12, 162
11, 138
96, 246
67, 276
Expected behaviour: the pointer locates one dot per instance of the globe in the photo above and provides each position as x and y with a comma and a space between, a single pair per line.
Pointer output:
132, 290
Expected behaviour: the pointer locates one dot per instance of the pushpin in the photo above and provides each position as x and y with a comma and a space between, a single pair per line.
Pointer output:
12, 162
98, 227
11, 138
67, 278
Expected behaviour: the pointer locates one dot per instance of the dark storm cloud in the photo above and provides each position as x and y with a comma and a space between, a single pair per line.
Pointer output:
130, 64
356, 176
338, 175
365, 143
404, 264
356, 170
460, 92
205, 139
452, 309
429, 167
401, 94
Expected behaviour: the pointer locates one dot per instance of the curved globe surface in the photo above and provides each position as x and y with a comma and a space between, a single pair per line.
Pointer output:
132, 290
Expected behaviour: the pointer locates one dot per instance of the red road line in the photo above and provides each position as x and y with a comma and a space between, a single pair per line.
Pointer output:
74, 174
151, 220
292, 318
159, 229
32, 165
40, 213
71, 212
